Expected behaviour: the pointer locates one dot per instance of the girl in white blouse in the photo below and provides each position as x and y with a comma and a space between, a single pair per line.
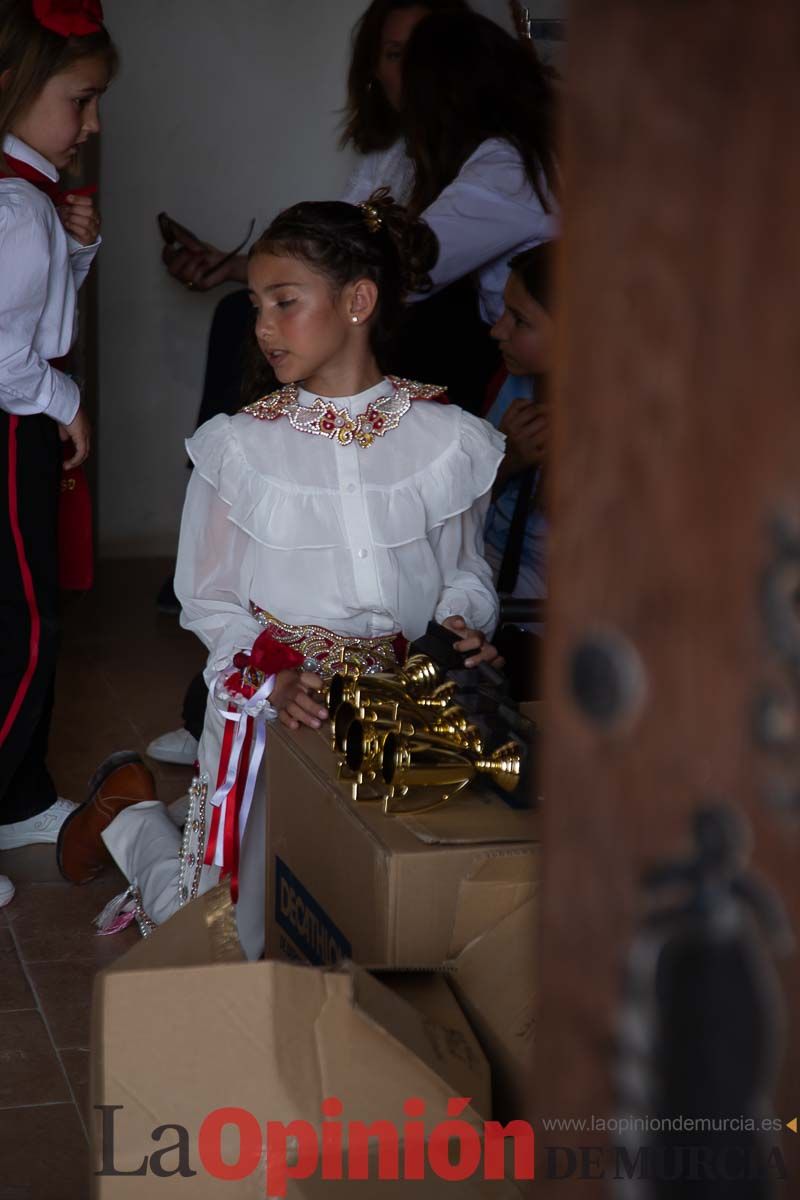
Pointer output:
341, 514
55, 62
341, 500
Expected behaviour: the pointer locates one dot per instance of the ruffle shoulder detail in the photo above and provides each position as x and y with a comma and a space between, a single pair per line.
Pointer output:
275, 513
283, 516
443, 488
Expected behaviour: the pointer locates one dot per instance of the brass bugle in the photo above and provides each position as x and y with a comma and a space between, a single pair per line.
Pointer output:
455, 725
440, 698
407, 764
420, 675
418, 678
401, 757
504, 765
364, 746
455, 733
348, 712
383, 714
374, 691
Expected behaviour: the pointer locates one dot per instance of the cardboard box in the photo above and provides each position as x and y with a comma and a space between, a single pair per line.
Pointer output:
346, 881
494, 972
182, 1029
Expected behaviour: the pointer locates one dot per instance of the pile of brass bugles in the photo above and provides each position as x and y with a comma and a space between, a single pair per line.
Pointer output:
399, 733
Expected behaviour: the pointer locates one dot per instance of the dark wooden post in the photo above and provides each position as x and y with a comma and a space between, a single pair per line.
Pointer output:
672, 685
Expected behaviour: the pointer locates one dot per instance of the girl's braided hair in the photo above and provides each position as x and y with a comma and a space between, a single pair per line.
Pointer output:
376, 240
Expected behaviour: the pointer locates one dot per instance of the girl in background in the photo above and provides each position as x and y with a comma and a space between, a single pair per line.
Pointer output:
56, 61
516, 526
478, 115
375, 95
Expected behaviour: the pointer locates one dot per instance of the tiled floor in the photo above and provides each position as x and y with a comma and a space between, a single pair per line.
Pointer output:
122, 674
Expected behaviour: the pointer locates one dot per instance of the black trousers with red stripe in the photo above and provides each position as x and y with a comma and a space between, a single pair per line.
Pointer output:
29, 628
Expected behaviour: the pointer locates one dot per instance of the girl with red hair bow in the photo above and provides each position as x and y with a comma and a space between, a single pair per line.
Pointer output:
56, 60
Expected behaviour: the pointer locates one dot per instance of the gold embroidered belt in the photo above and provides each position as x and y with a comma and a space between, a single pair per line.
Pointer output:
326, 652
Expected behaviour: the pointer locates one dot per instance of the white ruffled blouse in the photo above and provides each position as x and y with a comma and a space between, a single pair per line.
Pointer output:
365, 541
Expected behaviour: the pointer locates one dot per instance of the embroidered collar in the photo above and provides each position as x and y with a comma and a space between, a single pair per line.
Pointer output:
324, 419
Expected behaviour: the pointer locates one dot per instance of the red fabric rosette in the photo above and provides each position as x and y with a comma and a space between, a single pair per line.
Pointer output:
69, 18
267, 656
272, 657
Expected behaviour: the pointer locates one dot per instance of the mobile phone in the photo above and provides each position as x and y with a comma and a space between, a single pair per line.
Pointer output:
172, 232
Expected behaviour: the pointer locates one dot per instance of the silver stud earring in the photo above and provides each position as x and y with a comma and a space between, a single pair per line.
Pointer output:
354, 320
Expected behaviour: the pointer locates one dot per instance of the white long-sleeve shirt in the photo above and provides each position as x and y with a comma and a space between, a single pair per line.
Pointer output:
365, 541
390, 168
41, 270
483, 218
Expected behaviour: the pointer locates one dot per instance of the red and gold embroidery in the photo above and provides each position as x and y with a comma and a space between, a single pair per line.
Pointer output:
323, 419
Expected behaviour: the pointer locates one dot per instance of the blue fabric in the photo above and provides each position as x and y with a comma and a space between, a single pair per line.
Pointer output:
530, 582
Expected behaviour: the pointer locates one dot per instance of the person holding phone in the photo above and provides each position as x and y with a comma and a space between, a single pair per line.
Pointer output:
373, 128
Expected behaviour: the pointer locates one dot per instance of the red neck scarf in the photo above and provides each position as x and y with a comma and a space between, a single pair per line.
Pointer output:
50, 187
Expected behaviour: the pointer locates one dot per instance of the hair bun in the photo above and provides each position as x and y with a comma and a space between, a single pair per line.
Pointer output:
415, 242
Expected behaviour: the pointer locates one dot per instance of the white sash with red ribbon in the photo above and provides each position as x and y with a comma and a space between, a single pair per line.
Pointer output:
246, 710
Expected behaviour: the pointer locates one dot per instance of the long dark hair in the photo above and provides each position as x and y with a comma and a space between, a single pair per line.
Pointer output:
536, 267
370, 121
344, 242
466, 80
35, 54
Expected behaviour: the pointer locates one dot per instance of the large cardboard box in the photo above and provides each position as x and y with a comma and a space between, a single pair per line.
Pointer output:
493, 971
346, 881
183, 1029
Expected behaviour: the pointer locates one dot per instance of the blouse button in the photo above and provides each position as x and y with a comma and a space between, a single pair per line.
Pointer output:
351, 487
363, 553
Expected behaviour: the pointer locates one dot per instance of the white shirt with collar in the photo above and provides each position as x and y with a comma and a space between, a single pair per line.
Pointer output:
483, 218
41, 269
365, 541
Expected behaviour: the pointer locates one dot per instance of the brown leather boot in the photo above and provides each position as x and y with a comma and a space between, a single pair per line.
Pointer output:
119, 782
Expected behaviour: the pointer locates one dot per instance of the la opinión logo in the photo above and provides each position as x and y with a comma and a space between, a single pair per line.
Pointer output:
454, 1150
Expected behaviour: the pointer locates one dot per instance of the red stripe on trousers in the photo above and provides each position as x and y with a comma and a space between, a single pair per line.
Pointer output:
27, 583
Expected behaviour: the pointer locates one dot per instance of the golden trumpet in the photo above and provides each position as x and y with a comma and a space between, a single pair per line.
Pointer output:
418, 678
420, 675
427, 763
504, 765
453, 733
364, 746
440, 697
405, 731
383, 714
454, 724
406, 764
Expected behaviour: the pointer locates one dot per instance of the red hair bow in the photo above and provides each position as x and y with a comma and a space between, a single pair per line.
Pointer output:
69, 18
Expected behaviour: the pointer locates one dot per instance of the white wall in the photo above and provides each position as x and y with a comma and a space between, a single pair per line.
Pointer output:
222, 112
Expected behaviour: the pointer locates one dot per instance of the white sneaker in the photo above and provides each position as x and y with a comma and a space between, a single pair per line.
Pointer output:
176, 747
6, 891
43, 827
